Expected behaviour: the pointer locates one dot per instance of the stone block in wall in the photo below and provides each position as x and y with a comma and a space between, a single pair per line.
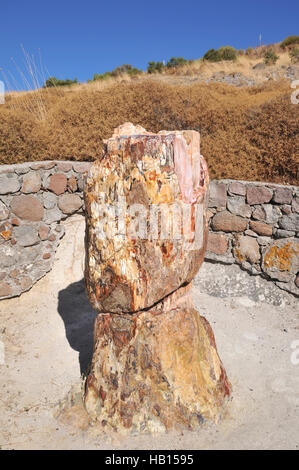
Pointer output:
295, 204
69, 203
260, 228
31, 182
272, 213
289, 222
26, 235
218, 195
49, 200
65, 167
258, 194
9, 183
72, 184
52, 215
237, 188
279, 233
44, 165
280, 260
258, 213
217, 243
27, 207
236, 205
81, 167
246, 249
226, 222
283, 195
58, 183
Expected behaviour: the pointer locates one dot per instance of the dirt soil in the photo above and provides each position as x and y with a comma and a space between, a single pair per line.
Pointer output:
47, 338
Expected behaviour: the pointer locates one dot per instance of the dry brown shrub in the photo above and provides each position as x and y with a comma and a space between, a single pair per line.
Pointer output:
247, 133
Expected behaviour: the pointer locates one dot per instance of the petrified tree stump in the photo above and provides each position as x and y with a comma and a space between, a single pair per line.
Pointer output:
155, 363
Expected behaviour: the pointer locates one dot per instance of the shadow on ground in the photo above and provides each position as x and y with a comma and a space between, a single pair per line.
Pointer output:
78, 317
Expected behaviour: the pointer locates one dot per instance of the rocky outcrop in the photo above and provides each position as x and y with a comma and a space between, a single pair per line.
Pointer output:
155, 364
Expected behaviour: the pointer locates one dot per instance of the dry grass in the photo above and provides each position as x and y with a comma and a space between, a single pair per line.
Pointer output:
247, 133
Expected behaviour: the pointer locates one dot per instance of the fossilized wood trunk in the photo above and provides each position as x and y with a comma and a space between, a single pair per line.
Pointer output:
156, 369
146, 219
155, 364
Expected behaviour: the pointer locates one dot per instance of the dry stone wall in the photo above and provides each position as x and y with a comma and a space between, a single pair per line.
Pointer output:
256, 225
34, 199
253, 224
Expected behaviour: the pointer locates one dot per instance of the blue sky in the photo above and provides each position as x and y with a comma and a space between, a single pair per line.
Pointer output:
78, 39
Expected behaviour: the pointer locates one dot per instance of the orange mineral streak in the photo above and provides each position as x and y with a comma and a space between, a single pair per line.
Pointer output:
281, 257
6, 234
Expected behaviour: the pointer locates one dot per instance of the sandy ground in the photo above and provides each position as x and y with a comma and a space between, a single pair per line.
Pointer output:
46, 336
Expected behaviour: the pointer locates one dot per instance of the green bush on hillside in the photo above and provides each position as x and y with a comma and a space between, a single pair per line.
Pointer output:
228, 53
289, 41
118, 71
155, 67
270, 57
212, 55
223, 53
177, 62
53, 81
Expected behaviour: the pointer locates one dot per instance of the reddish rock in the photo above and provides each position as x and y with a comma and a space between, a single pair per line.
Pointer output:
31, 182
46, 165
64, 166
237, 188
155, 364
226, 222
72, 185
218, 195
261, 228
156, 172
27, 208
47, 256
247, 249
258, 194
52, 237
81, 167
15, 221
155, 370
5, 289
69, 203
283, 195
43, 232
217, 243
286, 209
58, 183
